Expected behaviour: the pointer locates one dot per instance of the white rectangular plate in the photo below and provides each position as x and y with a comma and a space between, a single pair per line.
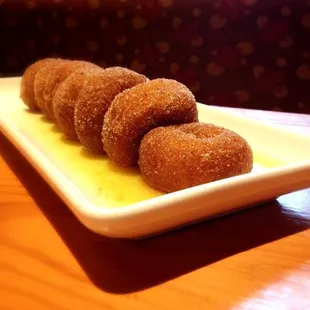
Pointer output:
116, 202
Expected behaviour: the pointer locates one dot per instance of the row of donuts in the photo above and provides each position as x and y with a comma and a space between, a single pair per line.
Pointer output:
131, 118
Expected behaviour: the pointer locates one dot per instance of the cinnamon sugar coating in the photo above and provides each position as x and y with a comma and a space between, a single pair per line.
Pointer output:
27, 83
66, 97
177, 157
58, 74
41, 79
95, 98
134, 112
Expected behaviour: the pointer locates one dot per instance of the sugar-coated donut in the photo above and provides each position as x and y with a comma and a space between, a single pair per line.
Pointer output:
177, 157
27, 83
66, 97
94, 99
57, 75
41, 78
134, 112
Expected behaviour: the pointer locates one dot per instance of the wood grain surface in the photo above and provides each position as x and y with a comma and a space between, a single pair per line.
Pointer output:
254, 259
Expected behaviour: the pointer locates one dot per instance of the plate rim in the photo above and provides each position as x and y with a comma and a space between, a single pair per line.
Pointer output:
89, 212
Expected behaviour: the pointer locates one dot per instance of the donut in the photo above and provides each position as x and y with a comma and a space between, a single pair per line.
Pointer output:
159, 102
40, 80
94, 99
57, 75
27, 83
177, 157
65, 99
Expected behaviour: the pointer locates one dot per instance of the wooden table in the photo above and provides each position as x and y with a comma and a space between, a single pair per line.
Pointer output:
255, 259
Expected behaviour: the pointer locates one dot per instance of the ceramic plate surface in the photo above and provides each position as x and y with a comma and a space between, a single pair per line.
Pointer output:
115, 202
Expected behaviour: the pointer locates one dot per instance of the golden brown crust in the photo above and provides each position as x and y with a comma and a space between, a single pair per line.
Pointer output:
40, 81
177, 157
27, 83
57, 75
134, 112
94, 99
66, 97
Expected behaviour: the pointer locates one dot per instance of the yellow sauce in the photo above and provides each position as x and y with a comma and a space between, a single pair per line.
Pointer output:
266, 161
102, 182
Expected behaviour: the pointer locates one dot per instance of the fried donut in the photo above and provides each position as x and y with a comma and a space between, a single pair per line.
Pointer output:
177, 157
41, 78
65, 99
160, 102
27, 83
94, 99
57, 75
